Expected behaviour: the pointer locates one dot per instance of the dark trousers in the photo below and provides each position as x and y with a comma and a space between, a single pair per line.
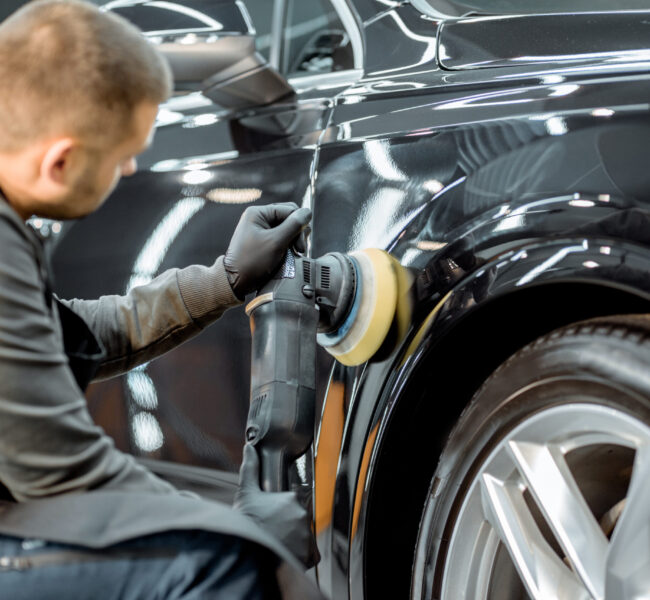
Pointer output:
182, 564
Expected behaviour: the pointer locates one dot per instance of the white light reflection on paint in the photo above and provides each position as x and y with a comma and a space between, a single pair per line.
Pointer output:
514, 221
516, 217
590, 264
604, 197
165, 165
380, 161
503, 210
201, 121
301, 467
196, 166
168, 117
430, 246
344, 131
551, 262
410, 256
378, 223
307, 197
352, 99
556, 126
390, 3
188, 39
152, 254
606, 250
617, 55
582, 203
602, 112
553, 78
234, 195
146, 432
196, 177
142, 388
564, 90
433, 186
196, 162
486, 99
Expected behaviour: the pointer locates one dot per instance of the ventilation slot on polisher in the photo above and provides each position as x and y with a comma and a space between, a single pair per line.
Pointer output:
306, 271
325, 277
257, 404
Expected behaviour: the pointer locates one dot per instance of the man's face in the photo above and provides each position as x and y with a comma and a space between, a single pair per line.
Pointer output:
103, 167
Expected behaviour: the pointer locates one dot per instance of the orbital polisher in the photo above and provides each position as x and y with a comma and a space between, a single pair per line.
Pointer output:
356, 306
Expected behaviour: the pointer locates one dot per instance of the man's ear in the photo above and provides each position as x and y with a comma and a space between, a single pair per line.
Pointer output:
57, 168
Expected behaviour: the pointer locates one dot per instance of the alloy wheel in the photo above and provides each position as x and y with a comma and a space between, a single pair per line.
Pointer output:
553, 510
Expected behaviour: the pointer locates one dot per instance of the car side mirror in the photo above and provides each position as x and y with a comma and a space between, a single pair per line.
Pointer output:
211, 50
227, 70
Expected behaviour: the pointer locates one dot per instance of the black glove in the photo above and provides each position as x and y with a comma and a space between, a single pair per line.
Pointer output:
260, 242
279, 513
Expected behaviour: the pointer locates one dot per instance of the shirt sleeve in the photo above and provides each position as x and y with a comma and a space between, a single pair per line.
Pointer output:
49, 444
154, 318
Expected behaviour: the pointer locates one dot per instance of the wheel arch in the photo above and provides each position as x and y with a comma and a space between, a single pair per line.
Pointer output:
457, 349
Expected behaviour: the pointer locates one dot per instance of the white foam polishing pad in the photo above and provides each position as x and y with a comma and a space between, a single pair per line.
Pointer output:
374, 308
404, 309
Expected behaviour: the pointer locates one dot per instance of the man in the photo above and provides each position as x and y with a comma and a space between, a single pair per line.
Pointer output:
84, 520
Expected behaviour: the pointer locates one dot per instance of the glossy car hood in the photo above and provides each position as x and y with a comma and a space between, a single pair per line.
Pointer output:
482, 42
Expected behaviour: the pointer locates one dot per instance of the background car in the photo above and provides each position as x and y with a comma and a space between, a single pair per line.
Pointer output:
498, 149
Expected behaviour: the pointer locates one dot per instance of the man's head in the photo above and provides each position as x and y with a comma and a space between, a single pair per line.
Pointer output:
81, 90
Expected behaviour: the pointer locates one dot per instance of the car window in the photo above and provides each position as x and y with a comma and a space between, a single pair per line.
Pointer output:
261, 14
260, 11
507, 7
314, 39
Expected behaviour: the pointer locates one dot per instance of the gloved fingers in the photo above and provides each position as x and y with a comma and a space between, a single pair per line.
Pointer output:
300, 243
291, 227
249, 472
271, 215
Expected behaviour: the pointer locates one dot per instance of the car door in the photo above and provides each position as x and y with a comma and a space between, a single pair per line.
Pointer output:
453, 148
184, 414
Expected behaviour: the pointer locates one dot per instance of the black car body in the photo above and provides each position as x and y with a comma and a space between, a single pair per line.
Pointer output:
503, 158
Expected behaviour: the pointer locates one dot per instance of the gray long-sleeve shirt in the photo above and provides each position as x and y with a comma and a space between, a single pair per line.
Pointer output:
48, 442
71, 483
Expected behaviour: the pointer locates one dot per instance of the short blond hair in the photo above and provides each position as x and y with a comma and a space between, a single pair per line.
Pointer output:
68, 68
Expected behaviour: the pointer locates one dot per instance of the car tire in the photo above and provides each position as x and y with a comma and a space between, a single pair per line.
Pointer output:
551, 455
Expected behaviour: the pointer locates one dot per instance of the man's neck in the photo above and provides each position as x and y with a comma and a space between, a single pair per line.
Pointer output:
12, 196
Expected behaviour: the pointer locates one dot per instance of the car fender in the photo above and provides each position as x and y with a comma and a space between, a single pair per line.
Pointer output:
567, 271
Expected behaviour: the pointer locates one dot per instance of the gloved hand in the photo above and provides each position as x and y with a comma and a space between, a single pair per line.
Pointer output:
279, 513
260, 242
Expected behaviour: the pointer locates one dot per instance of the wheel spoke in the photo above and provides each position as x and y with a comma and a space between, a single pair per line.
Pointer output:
551, 545
541, 570
556, 493
628, 561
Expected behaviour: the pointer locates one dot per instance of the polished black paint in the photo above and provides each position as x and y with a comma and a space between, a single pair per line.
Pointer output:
577, 39
519, 195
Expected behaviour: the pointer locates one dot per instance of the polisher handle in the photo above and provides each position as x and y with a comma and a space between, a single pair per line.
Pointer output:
283, 361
